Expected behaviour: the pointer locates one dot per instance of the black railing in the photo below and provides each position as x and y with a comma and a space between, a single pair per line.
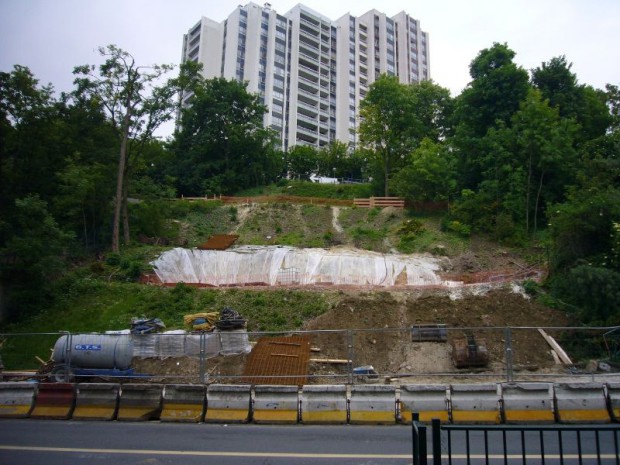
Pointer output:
531, 444
418, 431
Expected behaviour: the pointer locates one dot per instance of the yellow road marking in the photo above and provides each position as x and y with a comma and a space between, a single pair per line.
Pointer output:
204, 453
288, 454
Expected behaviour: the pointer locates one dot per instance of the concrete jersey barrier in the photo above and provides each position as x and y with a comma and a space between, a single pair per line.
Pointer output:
474, 403
429, 401
581, 403
276, 404
16, 399
324, 404
139, 402
96, 401
183, 403
528, 403
375, 404
54, 401
228, 403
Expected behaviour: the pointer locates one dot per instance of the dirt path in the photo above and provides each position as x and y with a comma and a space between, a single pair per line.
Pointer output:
335, 221
242, 213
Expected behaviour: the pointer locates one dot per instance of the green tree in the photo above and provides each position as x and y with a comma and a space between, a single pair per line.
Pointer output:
429, 174
543, 147
31, 144
222, 145
582, 103
434, 108
136, 105
387, 124
302, 162
33, 254
497, 88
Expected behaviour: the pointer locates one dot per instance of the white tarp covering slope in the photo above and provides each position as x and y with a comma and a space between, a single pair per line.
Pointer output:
287, 265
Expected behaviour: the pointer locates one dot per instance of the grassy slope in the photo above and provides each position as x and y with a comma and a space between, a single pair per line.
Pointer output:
103, 295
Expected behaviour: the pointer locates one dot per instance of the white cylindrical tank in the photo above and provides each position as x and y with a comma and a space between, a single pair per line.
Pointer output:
94, 351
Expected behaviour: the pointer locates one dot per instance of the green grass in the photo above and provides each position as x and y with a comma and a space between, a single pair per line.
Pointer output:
95, 305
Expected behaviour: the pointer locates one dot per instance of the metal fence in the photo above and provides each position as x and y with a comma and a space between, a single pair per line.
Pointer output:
405, 355
505, 444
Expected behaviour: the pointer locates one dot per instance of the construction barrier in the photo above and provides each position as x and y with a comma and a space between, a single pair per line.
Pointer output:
430, 401
54, 400
228, 403
96, 401
276, 404
139, 402
528, 403
613, 394
373, 403
581, 403
474, 403
324, 404
183, 403
16, 399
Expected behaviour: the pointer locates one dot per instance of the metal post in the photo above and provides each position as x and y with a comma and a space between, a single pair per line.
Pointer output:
418, 441
436, 424
68, 353
508, 354
415, 438
350, 356
203, 378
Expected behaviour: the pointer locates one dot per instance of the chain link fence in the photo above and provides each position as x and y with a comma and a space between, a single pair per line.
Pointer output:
413, 355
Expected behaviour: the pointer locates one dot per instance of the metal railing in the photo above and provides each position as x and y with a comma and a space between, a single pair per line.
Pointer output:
474, 444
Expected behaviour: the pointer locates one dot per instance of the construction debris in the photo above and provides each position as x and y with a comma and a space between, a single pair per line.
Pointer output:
556, 348
201, 321
429, 333
469, 352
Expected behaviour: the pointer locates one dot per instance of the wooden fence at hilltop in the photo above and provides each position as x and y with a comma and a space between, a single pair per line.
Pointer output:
372, 202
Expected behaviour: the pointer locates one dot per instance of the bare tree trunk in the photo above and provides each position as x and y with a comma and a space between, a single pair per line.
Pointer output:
85, 227
527, 196
540, 185
126, 235
118, 200
387, 171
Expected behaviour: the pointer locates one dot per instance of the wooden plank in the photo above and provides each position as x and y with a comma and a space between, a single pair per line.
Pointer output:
556, 347
330, 360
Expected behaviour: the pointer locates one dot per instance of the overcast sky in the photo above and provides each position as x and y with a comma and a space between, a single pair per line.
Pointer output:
52, 36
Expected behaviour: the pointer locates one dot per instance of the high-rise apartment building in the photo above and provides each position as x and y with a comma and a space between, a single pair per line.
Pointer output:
311, 72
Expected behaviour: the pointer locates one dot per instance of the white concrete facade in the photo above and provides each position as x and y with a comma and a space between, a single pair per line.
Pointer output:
311, 72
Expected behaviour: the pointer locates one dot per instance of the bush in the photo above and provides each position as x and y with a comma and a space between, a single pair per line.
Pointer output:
593, 292
456, 227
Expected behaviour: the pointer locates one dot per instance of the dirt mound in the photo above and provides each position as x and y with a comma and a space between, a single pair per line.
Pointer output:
386, 341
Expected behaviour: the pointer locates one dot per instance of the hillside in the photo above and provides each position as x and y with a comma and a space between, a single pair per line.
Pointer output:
100, 296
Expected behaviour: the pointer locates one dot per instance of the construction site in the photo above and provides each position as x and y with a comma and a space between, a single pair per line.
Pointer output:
443, 329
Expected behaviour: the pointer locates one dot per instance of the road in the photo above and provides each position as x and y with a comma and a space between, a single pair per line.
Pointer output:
51, 442
71, 442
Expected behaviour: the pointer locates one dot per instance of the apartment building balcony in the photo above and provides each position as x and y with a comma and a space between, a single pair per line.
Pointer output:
309, 72
307, 110
308, 40
314, 61
307, 136
307, 119
308, 53
309, 28
308, 85
307, 124
308, 97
